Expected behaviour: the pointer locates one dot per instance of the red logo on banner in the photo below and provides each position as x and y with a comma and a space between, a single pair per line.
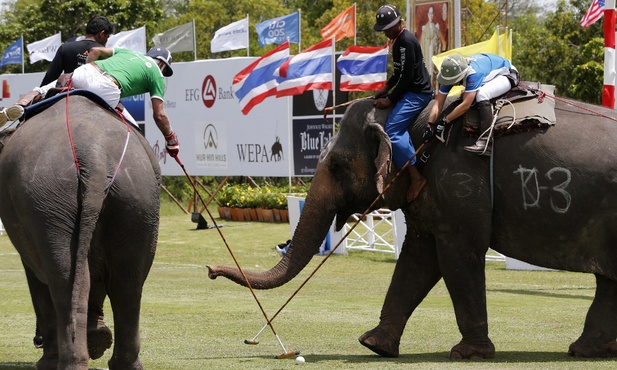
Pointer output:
6, 93
208, 91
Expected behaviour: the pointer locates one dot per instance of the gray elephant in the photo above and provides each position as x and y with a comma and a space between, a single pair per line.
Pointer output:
79, 199
546, 197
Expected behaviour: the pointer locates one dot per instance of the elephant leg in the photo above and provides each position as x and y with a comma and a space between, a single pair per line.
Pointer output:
41, 301
99, 335
72, 318
45, 337
125, 300
600, 331
416, 273
464, 276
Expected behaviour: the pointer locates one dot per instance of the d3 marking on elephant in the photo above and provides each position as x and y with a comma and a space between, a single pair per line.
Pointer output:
78, 240
559, 194
458, 216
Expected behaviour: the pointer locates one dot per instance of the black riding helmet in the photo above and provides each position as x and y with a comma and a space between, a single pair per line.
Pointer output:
162, 54
387, 17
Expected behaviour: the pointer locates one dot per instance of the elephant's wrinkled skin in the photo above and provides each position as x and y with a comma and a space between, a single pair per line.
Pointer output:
78, 240
555, 204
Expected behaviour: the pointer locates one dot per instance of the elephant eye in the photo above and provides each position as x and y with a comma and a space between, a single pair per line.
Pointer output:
337, 168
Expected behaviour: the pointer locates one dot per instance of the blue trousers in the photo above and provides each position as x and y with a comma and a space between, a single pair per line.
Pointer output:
402, 115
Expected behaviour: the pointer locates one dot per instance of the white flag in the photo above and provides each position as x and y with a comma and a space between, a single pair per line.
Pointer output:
133, 40
179, 38
44, 49
231, 37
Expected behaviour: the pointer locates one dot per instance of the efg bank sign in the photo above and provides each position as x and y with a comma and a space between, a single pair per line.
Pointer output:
216, 138
210, 93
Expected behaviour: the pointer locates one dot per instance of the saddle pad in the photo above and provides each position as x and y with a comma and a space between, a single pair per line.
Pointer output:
523, 112
37, 108
542, 110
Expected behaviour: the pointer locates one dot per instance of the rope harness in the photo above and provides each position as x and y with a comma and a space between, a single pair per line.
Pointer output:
72, 142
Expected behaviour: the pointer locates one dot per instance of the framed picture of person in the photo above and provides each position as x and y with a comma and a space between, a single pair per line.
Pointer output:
432, 23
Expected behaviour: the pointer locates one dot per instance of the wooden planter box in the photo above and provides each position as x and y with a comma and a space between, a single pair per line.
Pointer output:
284, 215
237, 214
268, 215
253, 214
277, 215
260, 216
224, 213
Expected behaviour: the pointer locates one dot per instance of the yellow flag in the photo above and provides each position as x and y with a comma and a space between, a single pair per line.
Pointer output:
505, 46
489, 46
499, 45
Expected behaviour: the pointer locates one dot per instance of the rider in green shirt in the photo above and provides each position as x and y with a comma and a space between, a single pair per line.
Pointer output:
114, 73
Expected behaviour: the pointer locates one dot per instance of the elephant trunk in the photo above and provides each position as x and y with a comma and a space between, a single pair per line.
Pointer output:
311, 230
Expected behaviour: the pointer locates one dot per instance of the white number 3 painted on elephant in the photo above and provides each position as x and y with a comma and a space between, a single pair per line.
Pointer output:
531, 188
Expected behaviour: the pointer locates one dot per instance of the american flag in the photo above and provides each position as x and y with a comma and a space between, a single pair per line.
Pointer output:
595, 12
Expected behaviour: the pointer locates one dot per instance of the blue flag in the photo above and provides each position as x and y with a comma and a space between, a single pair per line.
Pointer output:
13, 54
278, 30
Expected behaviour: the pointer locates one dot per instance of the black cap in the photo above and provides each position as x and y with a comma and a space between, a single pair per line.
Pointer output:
387, 17
160, 53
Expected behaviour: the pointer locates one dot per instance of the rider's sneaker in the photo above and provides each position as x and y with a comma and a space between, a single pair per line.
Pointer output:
480, 147
11, 113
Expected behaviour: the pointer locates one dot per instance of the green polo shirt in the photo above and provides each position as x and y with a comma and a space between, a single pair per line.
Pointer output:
135, 72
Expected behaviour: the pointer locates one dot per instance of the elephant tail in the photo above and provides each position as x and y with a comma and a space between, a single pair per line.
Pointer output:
89, 206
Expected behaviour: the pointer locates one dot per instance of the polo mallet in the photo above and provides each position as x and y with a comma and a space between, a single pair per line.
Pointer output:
285, 353
254, 340
333, 108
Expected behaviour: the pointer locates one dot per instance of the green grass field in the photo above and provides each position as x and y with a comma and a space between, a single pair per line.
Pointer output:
191, 322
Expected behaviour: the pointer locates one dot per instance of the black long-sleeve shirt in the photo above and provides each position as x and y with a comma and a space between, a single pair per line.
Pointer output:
410, 73
68, 57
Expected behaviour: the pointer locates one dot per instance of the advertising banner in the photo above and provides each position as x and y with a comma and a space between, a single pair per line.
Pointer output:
280, 137
216, 139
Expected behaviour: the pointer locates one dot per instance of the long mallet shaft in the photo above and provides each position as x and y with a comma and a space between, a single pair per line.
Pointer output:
248, 283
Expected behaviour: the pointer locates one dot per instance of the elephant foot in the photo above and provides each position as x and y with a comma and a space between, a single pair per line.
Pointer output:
466, 351
585, 348
380, 342
47, 363
114, 363
99, 340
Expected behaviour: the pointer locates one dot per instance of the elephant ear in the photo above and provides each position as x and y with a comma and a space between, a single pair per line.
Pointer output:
384, 154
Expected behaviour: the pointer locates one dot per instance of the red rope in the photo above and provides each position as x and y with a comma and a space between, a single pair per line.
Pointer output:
68, 127
542, 94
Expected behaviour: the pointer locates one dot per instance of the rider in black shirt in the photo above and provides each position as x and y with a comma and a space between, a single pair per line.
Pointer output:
411, 92
74, 54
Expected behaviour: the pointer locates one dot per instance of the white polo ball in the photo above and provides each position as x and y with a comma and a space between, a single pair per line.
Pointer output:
300, 360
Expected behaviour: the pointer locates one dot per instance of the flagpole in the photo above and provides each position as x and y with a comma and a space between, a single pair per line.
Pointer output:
248, 26
408, 15
289, 146
355, 29
194, 42
299, 30
333, 83
22, 55
498, 41
608, 91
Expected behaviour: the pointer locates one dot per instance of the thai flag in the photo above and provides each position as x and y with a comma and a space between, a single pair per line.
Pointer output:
363, 68
257, 81
309, 70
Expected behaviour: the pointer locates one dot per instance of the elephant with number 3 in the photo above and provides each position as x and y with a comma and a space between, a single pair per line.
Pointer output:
547, 197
